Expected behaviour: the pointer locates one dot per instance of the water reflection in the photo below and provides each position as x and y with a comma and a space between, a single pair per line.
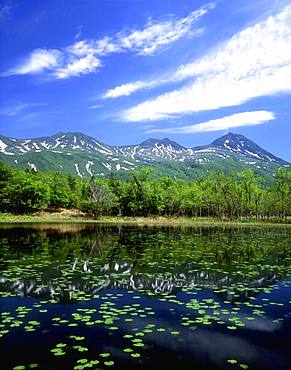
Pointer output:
181, 298
57, 260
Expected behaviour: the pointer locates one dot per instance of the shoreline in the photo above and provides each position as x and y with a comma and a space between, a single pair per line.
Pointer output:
134, 221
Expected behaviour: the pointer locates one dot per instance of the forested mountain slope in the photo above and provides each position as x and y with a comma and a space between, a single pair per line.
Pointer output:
80, 155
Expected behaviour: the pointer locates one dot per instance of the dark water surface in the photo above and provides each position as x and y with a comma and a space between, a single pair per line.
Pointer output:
74, 296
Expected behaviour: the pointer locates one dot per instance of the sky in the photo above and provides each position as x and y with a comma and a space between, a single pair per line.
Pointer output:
126, 70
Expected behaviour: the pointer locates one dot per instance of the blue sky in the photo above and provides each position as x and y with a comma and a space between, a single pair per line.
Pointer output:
126, 70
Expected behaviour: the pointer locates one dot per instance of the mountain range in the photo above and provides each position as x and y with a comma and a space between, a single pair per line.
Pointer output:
80, 155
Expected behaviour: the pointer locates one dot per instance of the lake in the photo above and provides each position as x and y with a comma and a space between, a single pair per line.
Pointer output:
74, 296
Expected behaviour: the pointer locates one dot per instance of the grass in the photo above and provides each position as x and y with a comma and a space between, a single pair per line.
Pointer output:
71, 217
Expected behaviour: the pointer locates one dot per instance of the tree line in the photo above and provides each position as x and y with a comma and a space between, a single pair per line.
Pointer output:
236, 196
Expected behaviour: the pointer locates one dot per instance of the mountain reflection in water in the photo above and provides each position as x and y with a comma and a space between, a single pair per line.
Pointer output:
154, 260
128, 297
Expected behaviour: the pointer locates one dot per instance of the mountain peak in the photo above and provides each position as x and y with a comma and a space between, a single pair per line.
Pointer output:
165, 141
242, 145
149, 142
69, 135
230, 136
83, 155
154, 149
174, 144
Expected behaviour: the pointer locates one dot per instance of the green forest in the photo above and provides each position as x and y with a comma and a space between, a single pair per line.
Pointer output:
237, 196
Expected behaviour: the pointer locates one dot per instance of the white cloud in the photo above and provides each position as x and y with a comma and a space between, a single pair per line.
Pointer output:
260, 46
157, 36
152, 38
224, 123
127, 89
96, 106
84, 56
107, 46
81, 48
38, 61
80, 66
255, 62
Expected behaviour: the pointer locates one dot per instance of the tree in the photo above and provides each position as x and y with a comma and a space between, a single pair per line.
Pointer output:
250, 185
61, 191
6, 173
25, 194
140, 196
283, 190
101, 200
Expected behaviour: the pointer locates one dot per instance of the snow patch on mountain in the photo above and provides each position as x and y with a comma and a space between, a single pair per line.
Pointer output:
88, 167
78, 171
2, 146
152, 151
32, 166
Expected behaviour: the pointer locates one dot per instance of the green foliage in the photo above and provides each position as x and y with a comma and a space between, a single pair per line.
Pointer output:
23, 193
283, 190
62, 192
187, 170
241, 195
100, 199
6, 173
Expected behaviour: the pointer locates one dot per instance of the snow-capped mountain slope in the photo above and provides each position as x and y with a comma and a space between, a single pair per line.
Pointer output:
73, 153
239, 144
153, 149
81, 155
59, 142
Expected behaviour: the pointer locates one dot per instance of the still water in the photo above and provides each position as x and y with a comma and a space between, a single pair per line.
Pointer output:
78, 296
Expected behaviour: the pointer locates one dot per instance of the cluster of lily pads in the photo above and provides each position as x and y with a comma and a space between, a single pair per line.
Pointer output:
109, 294
114, 316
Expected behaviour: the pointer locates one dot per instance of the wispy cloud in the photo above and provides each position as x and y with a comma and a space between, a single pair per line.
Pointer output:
255, 62
13, 110
79, 33
38, 61
41, 114
18, 108
4, 10
83, 57
156, 36
129, 88
224, 123
96, 106
80, 66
